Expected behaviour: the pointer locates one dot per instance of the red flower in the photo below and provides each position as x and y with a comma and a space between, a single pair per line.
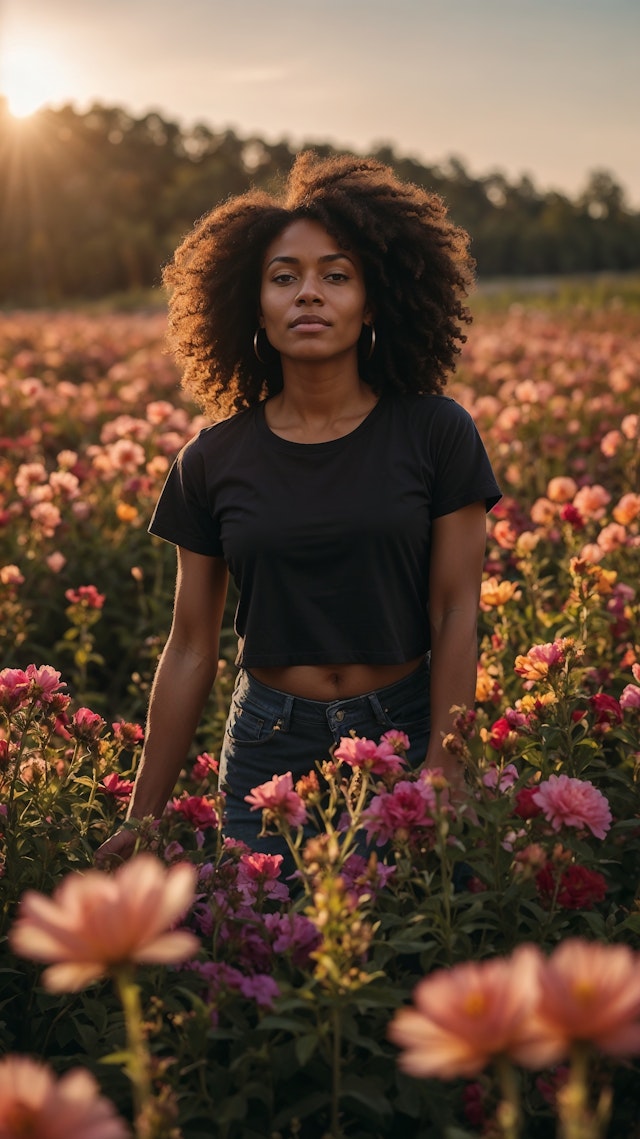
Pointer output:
578, 888
526, 806
572, 515
607, 710
198, 810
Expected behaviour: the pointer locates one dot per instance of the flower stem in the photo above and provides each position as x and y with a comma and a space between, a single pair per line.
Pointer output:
137, 1066
336, 1073
509, 1115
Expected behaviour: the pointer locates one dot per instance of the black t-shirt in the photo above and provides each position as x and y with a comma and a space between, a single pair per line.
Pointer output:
328, 543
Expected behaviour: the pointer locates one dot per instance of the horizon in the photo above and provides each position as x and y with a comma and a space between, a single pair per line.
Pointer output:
527, 88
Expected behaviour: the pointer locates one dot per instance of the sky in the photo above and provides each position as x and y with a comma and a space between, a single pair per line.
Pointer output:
546, 88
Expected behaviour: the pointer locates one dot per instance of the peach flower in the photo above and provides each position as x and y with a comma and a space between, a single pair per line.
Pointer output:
588, 993
96, 921
611, 537
628, 509
464, 1017
561, 489
34, 1104
591, 501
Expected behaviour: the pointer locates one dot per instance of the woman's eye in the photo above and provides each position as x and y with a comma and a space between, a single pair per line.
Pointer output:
283, 278
337, 276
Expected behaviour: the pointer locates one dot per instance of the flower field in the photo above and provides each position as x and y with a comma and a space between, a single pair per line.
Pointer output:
478, 974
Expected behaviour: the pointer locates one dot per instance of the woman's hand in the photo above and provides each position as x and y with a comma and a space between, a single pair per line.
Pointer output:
116, 849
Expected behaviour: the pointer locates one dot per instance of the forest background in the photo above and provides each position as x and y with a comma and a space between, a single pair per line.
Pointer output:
93, 203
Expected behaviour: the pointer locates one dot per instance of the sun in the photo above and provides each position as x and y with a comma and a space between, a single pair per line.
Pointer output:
30, 77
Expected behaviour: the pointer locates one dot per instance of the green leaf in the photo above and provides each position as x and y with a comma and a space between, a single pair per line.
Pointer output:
305, 1047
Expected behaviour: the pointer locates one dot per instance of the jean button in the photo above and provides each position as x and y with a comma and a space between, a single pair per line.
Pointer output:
340, 716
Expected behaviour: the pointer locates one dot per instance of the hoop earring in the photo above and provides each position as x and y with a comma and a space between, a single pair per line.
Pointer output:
373, 342
255, 345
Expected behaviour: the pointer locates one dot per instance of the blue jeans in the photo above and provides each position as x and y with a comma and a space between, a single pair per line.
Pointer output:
270, 732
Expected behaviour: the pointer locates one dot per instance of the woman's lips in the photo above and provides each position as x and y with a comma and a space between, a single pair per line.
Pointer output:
309, 321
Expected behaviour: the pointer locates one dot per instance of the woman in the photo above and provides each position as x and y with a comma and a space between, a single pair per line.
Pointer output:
345, 494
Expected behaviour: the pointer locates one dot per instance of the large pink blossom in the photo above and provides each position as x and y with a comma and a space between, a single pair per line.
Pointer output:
630, 698
462, 1018
278, 797
396, 814
199, 810
573, 803
380, 759
95, 922
587, 992
36, 1105
45, 682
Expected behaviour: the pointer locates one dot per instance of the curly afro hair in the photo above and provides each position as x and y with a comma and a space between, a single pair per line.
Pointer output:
417, 271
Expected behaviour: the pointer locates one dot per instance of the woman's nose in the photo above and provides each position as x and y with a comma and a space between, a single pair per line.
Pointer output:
308, 293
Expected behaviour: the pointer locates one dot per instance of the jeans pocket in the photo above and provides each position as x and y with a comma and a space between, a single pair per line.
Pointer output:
251, 725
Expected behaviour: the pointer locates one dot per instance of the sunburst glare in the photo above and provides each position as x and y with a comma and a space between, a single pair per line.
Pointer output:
30, 77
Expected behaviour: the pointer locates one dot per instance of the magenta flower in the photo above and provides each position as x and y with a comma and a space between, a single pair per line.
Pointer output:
86, 725
573, 803
397, 814
379, 759
44, 681
278, 797
14, 689
114, 785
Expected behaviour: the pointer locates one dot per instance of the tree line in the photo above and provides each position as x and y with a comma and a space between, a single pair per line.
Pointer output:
95, 202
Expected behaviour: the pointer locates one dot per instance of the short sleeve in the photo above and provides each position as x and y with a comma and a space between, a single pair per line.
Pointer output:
463, 472
183, 514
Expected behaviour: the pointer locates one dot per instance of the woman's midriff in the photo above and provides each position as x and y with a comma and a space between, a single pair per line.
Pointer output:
329, 682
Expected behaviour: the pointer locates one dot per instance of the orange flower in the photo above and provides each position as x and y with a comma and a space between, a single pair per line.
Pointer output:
589, 993
34, 1104
494, 593
466, 1016
95, 922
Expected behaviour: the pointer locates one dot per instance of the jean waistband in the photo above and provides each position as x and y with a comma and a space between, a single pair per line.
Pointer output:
283, 705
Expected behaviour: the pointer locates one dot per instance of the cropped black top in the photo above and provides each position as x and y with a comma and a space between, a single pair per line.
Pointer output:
328, 543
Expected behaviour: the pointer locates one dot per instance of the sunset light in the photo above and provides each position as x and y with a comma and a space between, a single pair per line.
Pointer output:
30, 77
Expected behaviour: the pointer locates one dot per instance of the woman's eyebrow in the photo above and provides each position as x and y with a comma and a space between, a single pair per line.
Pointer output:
296, 260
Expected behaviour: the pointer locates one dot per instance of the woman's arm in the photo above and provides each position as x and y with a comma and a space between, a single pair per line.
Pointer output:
183, 680
457, 557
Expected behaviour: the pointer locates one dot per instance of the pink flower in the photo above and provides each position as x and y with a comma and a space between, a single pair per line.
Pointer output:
44, 683
10, 575
95, 922
204, 766
15, 688
36, 1105
500, 780
127, 734
380, 759
86, 725
591, 501
588, 992
261, 872
630, 698
573, 803
87, 596
400, 814
119, 788
464, 1017
293, 933
540, 660
278, 797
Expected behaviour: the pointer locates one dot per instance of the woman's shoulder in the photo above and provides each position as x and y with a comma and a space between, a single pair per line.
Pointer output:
424, 409
221, 433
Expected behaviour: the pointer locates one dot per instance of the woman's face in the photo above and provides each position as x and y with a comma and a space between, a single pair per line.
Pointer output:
312, 297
